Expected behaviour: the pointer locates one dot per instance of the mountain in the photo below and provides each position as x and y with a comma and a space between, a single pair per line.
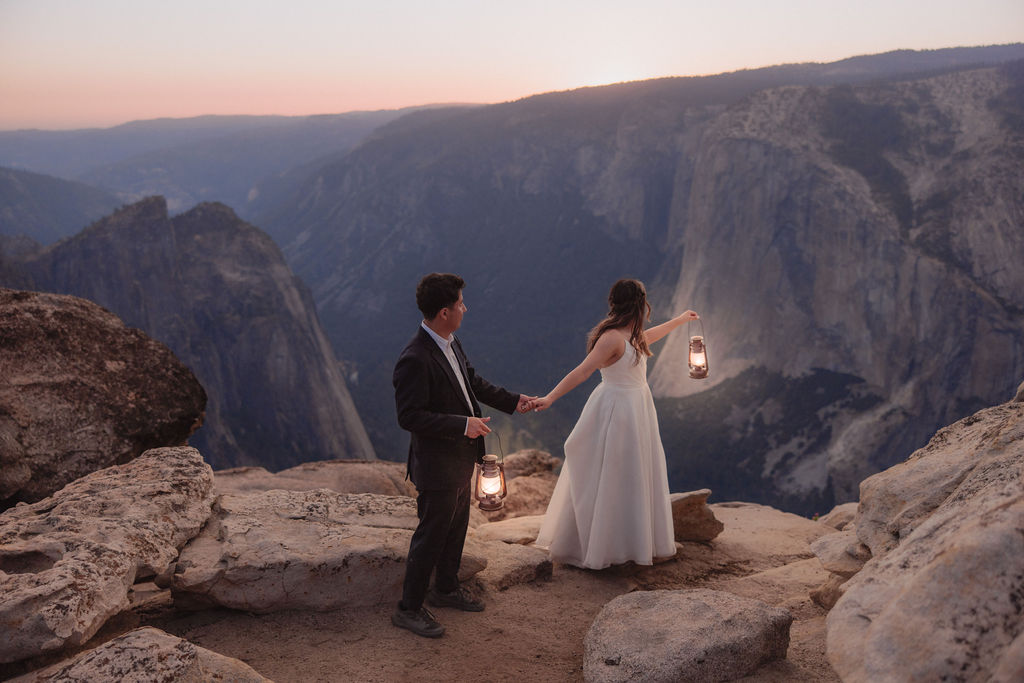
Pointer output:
775, 201
68, 153
47, 208
188, 161
229, 168
217, 291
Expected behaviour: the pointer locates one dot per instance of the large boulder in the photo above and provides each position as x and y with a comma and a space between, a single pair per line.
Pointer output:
683, 635
342, 476
67, 562
941, 599
80, 391
148, 654
692, 519
316, 550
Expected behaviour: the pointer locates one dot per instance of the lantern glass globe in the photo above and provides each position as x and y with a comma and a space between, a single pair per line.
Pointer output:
490, 485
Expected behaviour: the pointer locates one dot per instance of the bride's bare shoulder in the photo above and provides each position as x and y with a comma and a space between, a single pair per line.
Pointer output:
616, 340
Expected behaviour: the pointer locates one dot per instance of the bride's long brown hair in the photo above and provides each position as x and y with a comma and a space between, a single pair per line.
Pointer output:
627, 307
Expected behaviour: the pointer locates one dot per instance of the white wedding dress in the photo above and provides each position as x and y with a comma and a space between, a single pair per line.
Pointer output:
611, 503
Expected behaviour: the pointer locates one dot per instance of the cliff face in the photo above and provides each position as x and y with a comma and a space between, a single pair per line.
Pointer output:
871, 231
217, 291
851, 248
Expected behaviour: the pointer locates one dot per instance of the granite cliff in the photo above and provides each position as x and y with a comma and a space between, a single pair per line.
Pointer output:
217, 291
855, 249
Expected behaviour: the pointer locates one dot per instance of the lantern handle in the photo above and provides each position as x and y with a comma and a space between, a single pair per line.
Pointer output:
690, 322
501, 451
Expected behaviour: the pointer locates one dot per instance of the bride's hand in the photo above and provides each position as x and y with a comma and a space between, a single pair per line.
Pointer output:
687, 316
542, 403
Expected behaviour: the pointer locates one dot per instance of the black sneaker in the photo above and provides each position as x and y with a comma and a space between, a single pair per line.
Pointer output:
458, 598
420, 621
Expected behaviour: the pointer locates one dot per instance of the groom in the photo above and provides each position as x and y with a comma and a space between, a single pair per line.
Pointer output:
436, 396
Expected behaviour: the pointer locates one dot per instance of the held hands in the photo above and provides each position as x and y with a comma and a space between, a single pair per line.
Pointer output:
477, 426
525, 404
542, 403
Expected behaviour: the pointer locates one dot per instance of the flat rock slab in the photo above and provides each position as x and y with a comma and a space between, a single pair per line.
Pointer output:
520, 530
942, 598
780, 586
761, 537
692, 519
146, 655
341, 476
683, 635
317, 550
509, 564
68, 561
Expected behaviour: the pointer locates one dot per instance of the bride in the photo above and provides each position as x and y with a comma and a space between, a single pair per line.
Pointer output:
611, 502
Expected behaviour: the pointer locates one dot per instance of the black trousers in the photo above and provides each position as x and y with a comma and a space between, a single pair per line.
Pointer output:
436, 545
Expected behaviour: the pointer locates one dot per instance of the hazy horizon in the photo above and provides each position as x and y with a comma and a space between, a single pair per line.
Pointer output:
74, 65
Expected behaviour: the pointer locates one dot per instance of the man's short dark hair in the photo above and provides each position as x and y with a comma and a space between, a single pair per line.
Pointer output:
437, 291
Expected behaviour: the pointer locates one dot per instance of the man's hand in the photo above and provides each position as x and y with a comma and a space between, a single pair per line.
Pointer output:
477, 426
525, 403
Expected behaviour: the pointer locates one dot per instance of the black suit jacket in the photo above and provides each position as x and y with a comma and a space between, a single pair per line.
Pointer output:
431, 405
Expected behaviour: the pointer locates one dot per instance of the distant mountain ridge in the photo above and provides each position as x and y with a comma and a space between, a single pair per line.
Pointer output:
188, 161
45, 208
218, 292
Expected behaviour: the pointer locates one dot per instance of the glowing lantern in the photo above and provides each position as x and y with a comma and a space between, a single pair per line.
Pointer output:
698, 359
490, 490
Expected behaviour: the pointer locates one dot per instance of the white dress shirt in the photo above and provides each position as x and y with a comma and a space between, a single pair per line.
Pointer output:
446, 348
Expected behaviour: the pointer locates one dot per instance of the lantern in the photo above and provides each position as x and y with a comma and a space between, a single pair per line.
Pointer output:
489, 488
698, 356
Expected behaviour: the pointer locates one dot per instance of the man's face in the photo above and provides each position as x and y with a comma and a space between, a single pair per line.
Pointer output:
454, 313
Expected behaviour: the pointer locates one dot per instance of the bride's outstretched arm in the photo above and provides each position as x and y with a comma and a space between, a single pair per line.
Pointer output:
604, 351
655, 333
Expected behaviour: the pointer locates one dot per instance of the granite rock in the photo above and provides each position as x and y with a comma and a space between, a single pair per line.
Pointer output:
80, 391
145, 655
68, 561
683, 635
941, 598
692, 519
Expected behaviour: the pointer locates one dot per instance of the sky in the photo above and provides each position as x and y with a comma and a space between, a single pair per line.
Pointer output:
98, 63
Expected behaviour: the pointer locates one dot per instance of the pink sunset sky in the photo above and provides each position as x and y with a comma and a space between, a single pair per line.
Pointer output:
75, 63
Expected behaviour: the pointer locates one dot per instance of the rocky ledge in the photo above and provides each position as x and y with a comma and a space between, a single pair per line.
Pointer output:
68, 561
941, 596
